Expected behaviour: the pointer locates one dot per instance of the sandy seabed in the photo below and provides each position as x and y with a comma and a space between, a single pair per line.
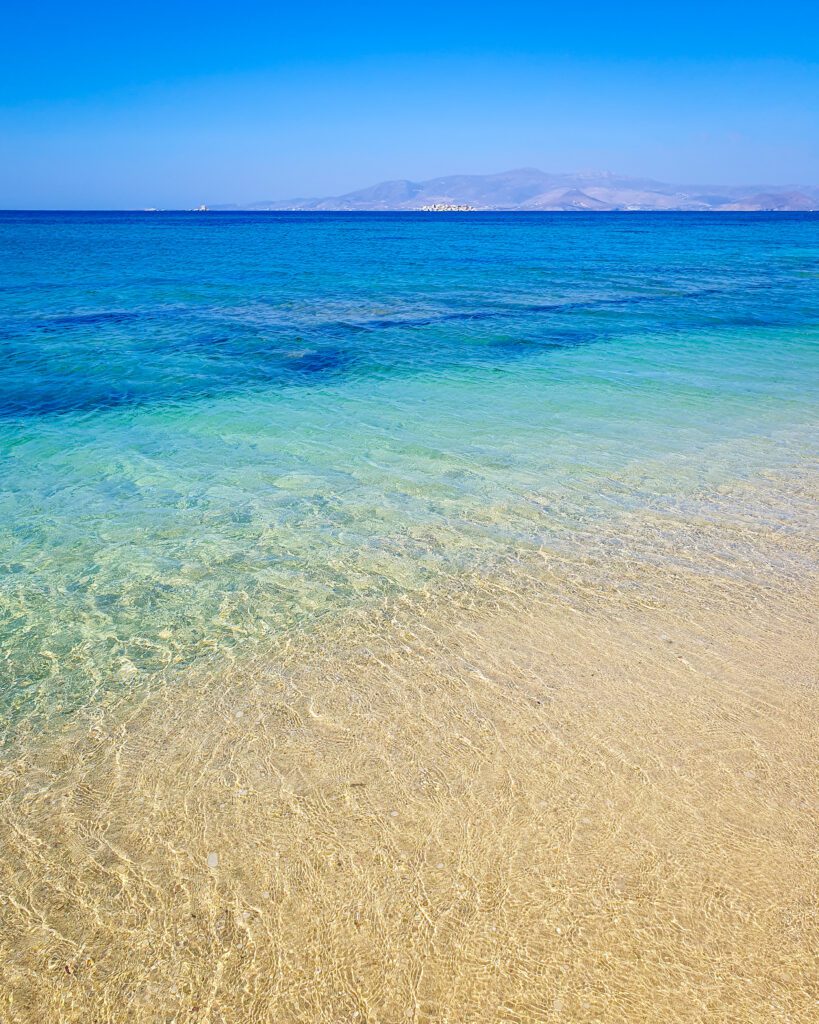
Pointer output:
583, 789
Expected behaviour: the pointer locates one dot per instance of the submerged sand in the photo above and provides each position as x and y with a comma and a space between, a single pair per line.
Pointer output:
585, 788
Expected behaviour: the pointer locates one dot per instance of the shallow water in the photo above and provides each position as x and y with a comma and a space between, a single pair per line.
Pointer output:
408, 618
583, 789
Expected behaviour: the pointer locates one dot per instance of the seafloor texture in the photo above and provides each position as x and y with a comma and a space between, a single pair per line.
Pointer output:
408, 618
585, 789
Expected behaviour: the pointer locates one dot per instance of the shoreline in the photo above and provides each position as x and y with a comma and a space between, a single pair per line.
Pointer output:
582, 790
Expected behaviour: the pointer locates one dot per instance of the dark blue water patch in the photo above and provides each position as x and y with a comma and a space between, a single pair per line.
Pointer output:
321, 361
69, 320
97, 362
27, 395
88, 362
78, 396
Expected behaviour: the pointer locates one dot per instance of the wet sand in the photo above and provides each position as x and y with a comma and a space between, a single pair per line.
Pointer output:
583, 789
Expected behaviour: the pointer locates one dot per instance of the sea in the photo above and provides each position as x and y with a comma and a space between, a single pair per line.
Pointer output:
216, 427
408, 616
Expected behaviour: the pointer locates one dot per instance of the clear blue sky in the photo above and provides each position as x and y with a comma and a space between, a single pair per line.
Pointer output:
165, 104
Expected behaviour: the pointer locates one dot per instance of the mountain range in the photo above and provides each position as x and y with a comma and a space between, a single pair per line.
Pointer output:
531, 189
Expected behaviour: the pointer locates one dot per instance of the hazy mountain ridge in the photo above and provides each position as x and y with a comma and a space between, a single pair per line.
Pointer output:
530, 189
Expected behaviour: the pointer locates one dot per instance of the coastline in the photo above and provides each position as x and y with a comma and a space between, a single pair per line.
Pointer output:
581, 789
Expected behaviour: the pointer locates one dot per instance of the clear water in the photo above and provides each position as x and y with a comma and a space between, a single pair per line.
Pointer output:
218, 428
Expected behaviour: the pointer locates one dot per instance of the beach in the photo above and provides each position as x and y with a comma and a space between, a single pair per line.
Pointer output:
409, 619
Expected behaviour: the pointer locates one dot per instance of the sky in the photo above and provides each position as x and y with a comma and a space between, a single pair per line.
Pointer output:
170, 105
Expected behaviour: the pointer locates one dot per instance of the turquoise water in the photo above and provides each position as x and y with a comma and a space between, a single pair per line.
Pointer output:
218, 428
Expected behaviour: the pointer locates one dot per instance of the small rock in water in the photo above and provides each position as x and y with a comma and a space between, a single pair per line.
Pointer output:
213, 860
393, 814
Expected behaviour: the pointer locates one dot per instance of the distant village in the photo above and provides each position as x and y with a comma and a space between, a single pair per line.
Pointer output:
448, 208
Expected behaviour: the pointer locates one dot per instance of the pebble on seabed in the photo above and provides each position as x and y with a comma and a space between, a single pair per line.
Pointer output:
213, 860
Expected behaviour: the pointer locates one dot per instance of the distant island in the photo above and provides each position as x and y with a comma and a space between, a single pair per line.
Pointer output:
531, 189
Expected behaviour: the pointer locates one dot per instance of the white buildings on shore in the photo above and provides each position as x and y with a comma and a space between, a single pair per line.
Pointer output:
448, 208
